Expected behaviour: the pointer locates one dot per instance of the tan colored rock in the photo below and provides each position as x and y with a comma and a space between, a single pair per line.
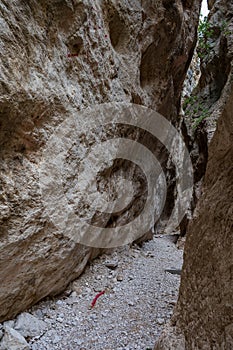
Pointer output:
58, 58
201, 108
204, 312
203, 315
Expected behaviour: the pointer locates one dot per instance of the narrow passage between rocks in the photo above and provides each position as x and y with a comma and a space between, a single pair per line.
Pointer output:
139, 298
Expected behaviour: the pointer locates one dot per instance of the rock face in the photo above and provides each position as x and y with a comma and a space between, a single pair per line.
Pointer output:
192, 77
201, 107
57, 58
203, 318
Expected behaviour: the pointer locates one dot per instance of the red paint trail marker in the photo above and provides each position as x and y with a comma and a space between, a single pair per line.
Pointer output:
96, 297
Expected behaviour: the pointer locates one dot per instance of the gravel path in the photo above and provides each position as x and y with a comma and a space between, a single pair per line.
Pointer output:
139, 298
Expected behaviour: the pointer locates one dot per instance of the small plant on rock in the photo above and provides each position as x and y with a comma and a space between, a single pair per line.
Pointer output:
205, 33
224, 28
195, 110
204, 113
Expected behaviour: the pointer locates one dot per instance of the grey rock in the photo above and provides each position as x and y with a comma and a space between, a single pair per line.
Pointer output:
74, 295
56, 339
172, 238
130, 277
160, 321
9, 323
174, 271
119, 278
79, 342
113, 264
13, 340
29, 326
131, 303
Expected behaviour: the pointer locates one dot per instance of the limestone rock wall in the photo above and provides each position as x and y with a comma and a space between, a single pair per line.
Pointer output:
203, 317
57, 58
192, 78
201, 107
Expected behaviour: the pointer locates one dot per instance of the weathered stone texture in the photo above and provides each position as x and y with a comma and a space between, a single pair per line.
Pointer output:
204, 314
201, 108
58, 57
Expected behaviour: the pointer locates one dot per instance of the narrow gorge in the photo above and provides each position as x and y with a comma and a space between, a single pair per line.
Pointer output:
116, 134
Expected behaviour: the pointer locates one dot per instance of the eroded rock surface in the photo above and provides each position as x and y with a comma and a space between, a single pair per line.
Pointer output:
203, 318
201, 108
57, 58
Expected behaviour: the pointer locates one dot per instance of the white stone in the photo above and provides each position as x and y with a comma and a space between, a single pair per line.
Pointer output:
29, 326
13, 340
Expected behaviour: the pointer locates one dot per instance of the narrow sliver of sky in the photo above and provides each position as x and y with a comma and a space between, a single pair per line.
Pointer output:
204, 8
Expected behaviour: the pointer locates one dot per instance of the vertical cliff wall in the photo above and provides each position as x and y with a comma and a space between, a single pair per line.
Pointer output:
203, 318
201, 108
58, 58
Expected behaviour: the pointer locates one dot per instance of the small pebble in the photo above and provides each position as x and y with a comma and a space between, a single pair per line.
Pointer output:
131, 303
112, 264
119, 278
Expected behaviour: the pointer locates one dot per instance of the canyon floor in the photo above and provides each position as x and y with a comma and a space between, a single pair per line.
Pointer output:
138, 300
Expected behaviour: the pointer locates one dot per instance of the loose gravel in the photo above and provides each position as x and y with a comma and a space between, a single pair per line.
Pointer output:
138, 300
